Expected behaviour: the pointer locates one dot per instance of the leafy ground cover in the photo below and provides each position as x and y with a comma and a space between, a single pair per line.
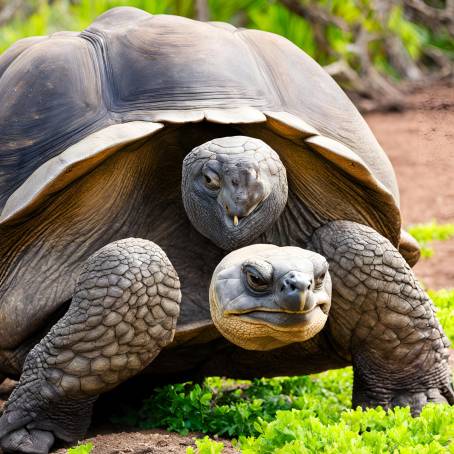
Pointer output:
234, 408
81, 449
295, 415
444, 302
357, 431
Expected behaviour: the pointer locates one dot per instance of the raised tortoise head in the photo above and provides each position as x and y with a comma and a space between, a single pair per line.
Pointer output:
233, 189
264, 296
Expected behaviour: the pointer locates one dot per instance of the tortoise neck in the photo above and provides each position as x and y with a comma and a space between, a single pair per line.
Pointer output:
295, 226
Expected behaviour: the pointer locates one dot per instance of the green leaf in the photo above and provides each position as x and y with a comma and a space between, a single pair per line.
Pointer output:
431, 231
81, 449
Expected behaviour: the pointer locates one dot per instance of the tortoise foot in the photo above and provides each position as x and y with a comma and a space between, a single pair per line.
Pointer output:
123, 312
416, 399
397, 346
377, 382
27, 442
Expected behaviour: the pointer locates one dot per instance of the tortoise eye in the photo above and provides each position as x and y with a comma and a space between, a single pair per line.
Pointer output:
211, 181
256, 282
319, 281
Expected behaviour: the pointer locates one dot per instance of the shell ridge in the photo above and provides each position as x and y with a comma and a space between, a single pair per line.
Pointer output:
97, 42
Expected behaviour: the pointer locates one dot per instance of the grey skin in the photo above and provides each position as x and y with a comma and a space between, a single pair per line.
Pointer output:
123, 312
381, 321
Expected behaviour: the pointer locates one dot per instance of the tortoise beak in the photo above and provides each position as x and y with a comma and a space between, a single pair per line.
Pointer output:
237, 215
242, 190
239, 204
295, 292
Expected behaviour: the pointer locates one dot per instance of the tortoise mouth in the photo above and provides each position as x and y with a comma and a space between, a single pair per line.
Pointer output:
284, 319
230, 232
234, 223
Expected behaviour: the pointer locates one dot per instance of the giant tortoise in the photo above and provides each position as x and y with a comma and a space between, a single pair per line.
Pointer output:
200, 138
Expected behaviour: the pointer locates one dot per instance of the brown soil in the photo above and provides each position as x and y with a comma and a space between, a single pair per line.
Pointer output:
145, 442
420, 144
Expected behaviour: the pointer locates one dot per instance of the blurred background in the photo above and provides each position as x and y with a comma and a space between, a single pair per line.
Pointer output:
367, 45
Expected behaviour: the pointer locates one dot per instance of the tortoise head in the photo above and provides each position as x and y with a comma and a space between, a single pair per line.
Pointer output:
233, 189
264, 296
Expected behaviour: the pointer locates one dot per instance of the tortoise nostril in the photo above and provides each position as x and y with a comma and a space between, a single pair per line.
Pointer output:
292, 287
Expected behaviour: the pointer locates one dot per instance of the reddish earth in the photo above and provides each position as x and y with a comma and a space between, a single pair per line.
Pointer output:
420, 144
145, 442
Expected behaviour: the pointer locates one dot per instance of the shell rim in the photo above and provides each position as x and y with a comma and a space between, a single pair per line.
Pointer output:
46, 180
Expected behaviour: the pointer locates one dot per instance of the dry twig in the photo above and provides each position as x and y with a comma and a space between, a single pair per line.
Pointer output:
314, 14
202, 10
9, 10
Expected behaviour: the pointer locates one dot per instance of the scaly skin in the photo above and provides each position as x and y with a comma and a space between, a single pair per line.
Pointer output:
383, 321
123, 312
12, 361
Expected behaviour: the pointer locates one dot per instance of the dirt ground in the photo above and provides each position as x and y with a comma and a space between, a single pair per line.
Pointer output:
145, 442
420, 144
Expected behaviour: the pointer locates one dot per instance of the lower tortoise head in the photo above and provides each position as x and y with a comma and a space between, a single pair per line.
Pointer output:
264, 296
233, 189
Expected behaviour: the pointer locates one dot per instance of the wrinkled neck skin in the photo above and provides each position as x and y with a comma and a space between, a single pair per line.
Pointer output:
294, 227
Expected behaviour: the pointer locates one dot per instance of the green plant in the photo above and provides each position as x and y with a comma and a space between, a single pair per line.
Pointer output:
81, 449
206, 446
357, 431
232, 408
431, 231
412, 36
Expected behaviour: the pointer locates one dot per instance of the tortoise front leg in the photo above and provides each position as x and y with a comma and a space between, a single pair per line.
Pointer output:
123, 312
383, 321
